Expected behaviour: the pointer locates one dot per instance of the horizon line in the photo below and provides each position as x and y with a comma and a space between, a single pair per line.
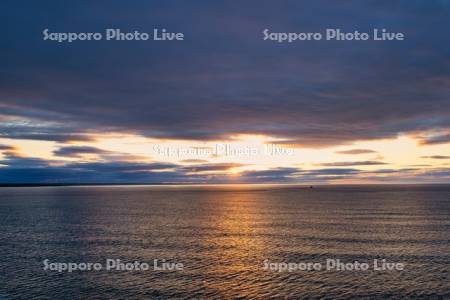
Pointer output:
2, 185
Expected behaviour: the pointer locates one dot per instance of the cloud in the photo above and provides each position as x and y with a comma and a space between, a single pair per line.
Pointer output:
436, 140
28, 126
34, 170
77, 151
332, 171
24, 170
392, 171
283, 175
63, 138
8, 151
7, 147
353, 163
80, 152
439, 173
437, 157
28, 170
356, 151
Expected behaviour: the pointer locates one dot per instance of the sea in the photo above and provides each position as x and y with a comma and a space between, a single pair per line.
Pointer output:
225, 242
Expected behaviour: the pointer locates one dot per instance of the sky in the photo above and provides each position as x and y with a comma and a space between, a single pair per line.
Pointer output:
225, 106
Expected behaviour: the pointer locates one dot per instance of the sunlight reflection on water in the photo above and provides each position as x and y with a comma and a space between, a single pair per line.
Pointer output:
222, 235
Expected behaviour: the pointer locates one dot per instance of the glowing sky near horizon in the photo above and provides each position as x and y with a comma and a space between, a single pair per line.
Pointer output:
119, 111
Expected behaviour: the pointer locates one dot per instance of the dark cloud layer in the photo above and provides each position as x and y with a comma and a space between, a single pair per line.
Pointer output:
224, 79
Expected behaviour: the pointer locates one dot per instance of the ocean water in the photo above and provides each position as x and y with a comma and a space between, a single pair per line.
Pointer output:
223, 235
